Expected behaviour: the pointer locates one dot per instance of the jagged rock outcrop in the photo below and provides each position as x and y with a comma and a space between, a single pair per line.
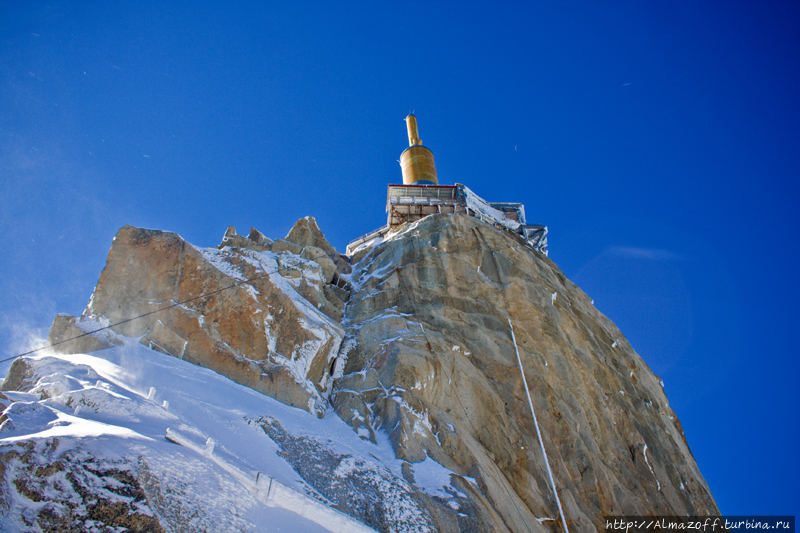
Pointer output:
68, 334
270, 320
431, 361
255, 241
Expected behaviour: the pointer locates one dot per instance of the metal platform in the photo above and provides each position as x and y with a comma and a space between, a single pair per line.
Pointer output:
410, 203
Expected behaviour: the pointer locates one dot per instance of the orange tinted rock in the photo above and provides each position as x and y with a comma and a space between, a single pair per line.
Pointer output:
261, 333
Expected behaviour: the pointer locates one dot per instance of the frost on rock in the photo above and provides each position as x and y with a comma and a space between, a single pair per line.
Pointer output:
644, 452
482, 207
58, 486
348, 344
269, 320
363, 488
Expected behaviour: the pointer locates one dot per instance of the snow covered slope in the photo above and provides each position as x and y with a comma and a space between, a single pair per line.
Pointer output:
86, 445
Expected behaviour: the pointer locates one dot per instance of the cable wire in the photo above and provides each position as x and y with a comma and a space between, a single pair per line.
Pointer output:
174, 304
538, 433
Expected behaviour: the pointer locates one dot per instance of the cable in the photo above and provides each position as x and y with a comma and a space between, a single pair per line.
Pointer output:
174, 304
538, 433
469, 419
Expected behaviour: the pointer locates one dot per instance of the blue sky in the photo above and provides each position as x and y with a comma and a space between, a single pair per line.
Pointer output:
657, 140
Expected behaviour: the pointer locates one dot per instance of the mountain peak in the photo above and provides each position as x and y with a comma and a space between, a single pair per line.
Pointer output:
424, 341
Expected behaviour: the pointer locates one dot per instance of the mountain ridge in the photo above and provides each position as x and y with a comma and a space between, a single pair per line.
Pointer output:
411, 338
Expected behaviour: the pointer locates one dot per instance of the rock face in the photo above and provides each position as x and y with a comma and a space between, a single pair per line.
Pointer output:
270, 320
70, 335
420, 335
74, 491
431, 360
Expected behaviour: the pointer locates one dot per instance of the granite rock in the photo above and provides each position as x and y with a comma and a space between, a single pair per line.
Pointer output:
237, 310
431, 360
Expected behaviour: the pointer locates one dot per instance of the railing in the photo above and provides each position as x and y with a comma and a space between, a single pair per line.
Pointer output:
510, 216
407, 194
367, 236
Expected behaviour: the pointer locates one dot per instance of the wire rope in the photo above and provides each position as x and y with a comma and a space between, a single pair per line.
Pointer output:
174, 304
538, 433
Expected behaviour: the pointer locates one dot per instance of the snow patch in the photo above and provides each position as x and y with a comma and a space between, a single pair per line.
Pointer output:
434, 479
484, 210
120, 413
644, 452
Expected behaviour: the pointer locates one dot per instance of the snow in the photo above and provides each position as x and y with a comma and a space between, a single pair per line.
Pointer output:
132, 395
348, 344
217, 258
377, 273
272, 492
644, 452
272, 266
484, 210
375, 241
62, 424
122, 401
435, 480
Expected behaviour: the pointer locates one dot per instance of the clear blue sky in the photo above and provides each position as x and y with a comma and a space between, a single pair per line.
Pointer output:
657, 140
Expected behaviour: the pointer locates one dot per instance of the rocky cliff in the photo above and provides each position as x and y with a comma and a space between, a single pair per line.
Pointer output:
417, 337
270, 320
432, 361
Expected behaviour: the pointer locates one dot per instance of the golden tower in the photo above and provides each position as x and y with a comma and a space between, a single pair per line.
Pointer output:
416, 160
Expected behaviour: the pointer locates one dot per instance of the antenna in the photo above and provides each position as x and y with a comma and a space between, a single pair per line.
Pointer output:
416, 161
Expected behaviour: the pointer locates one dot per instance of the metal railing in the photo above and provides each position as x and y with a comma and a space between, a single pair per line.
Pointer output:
367, 236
